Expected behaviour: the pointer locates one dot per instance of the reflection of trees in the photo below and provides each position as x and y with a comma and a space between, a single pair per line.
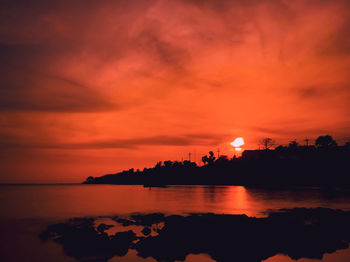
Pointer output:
210, 193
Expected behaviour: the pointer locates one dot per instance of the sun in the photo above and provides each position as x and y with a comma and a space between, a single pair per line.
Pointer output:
239, 141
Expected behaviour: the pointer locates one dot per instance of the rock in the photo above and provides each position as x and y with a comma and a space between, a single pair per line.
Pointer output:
146, 231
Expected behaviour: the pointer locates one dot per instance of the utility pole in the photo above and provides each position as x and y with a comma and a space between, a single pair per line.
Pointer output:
218, 152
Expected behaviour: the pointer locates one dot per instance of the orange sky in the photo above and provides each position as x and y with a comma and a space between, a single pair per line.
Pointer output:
93, 87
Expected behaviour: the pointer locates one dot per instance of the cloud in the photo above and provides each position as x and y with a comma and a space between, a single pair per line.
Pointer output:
153, 74
310, 92
30, 91
12, 141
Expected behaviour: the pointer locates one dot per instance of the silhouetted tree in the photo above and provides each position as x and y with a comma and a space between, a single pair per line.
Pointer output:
189, 164
168, 164
222, 159
267, 143
90, 179
347, 145
177, 164
280, 148
209, 160
325, 142
293, 145
158, 165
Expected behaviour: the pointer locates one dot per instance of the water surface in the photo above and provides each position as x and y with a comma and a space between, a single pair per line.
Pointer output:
28, 209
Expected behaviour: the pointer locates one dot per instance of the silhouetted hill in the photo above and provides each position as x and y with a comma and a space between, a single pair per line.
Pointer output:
324, 164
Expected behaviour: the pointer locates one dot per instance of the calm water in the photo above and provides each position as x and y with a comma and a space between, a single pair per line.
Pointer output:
27, 210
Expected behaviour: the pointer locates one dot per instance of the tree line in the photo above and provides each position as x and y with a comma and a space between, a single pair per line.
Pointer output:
324, 163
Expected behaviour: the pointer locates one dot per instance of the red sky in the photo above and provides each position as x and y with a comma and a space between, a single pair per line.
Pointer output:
93, 87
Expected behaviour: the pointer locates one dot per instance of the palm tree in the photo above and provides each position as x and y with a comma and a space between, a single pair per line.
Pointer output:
209, 160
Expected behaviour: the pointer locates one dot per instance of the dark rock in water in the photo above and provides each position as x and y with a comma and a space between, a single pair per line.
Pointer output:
298, 233
128, 236
80, 240
148, 219
146, 231
102, 227
123, 221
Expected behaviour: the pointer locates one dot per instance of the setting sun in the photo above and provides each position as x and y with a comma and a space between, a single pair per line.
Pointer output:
238, 142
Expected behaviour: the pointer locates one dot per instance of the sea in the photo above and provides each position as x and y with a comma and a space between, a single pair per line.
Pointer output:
27, 210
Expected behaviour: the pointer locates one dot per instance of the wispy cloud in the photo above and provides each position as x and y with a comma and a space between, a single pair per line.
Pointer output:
11, 141
37, 92
164, 74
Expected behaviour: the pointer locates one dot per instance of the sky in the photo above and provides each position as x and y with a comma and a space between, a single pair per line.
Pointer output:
94, 87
